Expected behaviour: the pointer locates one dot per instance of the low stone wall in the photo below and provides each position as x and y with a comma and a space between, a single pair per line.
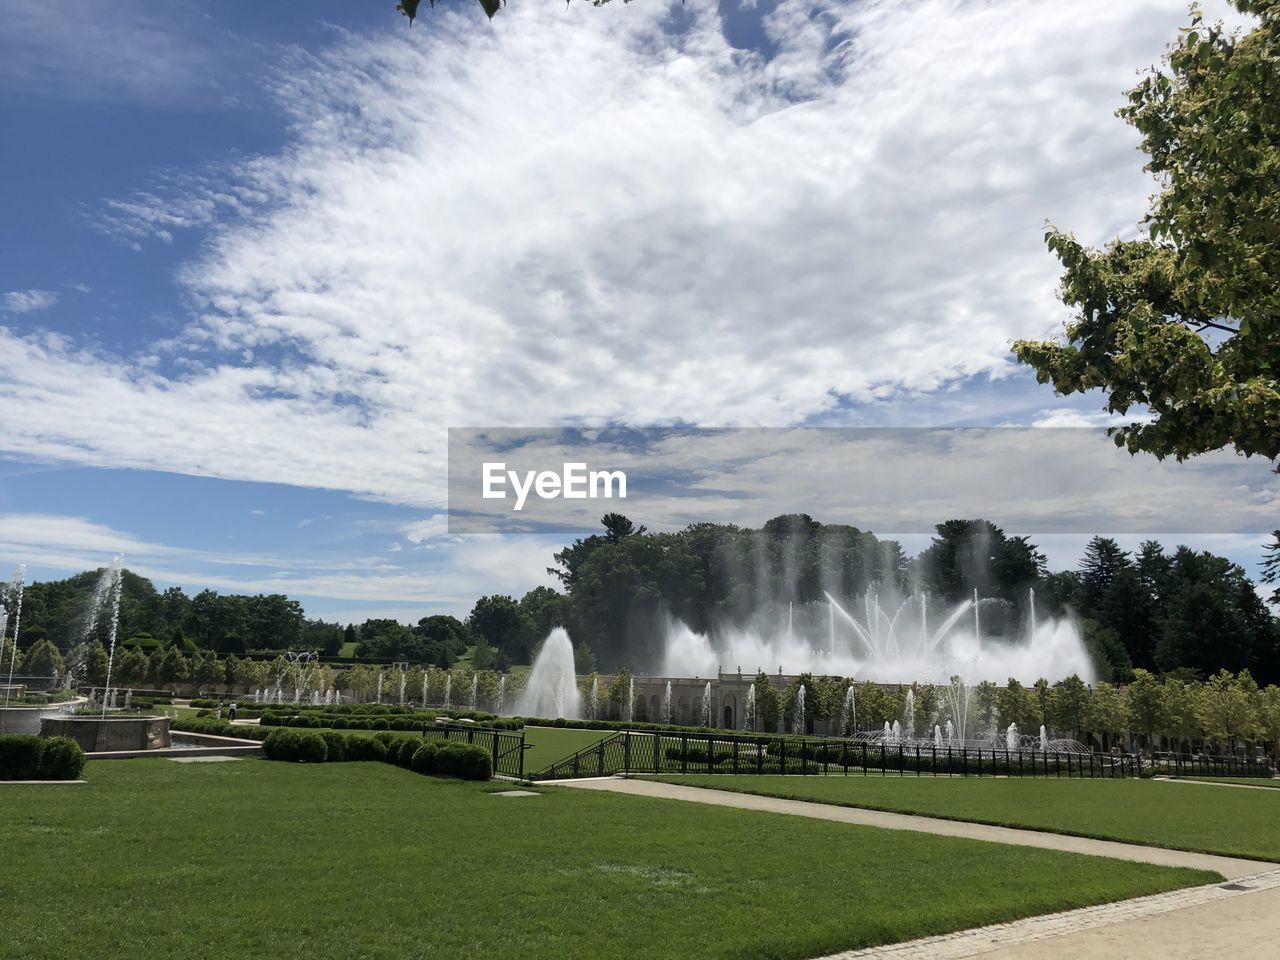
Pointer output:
95, 734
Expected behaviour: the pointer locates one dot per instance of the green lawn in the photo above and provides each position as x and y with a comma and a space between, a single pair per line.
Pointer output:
156, 859
550, 744
1236, 822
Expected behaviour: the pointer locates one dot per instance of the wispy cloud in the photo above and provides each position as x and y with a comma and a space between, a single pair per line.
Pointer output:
592, 220
27, 301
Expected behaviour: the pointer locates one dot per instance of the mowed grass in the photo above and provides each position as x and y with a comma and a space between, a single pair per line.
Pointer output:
550, 744
156, 859
1243, 823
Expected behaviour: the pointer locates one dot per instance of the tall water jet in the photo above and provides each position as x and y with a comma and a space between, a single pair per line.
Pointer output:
424, 689
937, 736
448, 689
951, 732
114, 575
749, 715
552, 687
378, 693
502, 694
1044, 739
909, 714
631, 700
403, 680
706, 705
593, 701
798, 718
475, 689
1011, 740
17, 583
896, 729
848, 714
666, 701
888, 732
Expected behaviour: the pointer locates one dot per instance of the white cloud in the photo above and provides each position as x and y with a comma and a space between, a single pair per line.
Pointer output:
577, 217
27, 301
124, 50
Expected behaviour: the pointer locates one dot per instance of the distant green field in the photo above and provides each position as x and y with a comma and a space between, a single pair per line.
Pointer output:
1243, 823
153, 860
555, 743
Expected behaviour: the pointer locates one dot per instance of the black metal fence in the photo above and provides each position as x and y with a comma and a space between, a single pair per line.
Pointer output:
506, 747
630, 752
1199, 765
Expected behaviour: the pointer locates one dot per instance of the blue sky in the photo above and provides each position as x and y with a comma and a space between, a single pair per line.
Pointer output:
259, 257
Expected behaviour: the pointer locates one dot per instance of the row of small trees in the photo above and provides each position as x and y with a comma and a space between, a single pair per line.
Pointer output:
1220, 714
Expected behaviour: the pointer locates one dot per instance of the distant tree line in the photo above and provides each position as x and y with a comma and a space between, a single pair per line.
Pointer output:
1183, 614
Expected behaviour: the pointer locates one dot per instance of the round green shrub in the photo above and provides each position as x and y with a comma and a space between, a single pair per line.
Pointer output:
382, 723
424, 758
336, 746
465, 761
62, 759
366, 748
405, 749
20, 756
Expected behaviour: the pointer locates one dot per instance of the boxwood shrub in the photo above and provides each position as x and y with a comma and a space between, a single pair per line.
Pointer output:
20, 756
62, 760
289, 745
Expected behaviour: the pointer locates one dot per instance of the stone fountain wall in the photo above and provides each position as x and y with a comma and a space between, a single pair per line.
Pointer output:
98, 735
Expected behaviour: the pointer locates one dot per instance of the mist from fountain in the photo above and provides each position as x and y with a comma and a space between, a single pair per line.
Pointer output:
552, 687
893, 639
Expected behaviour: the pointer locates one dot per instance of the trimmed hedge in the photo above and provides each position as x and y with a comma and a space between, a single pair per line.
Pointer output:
289, 745
444, 758
25, 757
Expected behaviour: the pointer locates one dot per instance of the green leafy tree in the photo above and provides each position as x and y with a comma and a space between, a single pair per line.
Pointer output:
43, 659
1185, 322
1069, 706
1146, 703
768, 702
132, 667
1107, 714
1226, 709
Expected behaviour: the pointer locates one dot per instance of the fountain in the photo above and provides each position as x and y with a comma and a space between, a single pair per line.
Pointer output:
666, 701
112, 576
631, 701
706, 705
552, 688
403, 679
1011, 740
594, 701
937, 737
1044, 739
951, 732
893, 638
14, 597
475, 688
424, 689
909, 714
896, 729
448, 689
848, 714
749, 715
502, 693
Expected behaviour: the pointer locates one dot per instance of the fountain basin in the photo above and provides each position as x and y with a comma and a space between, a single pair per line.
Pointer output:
99, 734
27, 719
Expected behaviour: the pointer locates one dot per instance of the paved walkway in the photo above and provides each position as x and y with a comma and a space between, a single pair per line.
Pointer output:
1211, 783
1239, 919
1229, 867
